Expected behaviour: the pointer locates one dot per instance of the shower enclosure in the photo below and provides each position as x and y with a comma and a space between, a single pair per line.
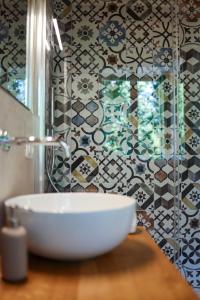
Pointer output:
125, 94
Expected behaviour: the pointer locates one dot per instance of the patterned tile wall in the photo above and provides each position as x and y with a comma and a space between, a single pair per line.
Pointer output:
13, 18
189, 166
127, 101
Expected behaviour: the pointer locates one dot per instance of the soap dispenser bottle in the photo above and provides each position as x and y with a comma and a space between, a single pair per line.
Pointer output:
14, 258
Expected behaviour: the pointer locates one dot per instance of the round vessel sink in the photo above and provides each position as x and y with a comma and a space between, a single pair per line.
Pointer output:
73, 226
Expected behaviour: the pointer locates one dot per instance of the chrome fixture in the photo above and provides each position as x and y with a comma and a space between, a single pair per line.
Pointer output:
6, 141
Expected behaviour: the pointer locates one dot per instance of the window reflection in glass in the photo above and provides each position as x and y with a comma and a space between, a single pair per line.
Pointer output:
13, 27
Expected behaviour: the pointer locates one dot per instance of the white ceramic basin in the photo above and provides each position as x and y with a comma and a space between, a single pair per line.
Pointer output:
73, 225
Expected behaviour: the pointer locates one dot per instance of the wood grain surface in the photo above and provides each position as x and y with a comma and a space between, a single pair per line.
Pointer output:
136, 270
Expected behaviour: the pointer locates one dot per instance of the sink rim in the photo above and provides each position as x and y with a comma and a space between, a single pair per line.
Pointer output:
74, 235
125, 202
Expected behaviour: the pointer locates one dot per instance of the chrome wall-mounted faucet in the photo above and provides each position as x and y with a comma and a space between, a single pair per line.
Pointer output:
6, 141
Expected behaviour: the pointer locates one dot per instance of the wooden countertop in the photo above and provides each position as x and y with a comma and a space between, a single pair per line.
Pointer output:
136, 270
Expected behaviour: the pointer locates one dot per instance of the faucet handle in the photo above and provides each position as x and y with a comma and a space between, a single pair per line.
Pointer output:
3, 133
4, 138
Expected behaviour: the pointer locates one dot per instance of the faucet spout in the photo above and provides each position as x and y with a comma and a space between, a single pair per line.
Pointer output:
6, 141
65, 147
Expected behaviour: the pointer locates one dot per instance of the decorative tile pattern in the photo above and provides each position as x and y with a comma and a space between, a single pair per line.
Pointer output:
141, 182
62, 85
190, 259
13, 47
112, 173
86, 60
84, 33
192, 117
190, 169
86, 8
190, 12
190, 221
192, 85
163, 60
163, 10
168, 105
134, 129
61, 9
164, 221
62, 112
143, 194
189, 142
142, 170
191, 35
138, 33
169, 245
161, 40
192, 276
140, 60
166, 183
80, 188
85, 87
61, 61
190, 56
145, 219
84, 168
139, 9
61, 172
86, 114
112, 33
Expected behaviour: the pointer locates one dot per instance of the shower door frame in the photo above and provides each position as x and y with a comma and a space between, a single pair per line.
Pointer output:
35, 81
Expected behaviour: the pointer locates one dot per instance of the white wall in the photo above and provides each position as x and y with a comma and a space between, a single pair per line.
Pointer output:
16, 171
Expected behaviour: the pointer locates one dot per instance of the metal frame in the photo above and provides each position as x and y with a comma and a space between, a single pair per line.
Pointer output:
35, 62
